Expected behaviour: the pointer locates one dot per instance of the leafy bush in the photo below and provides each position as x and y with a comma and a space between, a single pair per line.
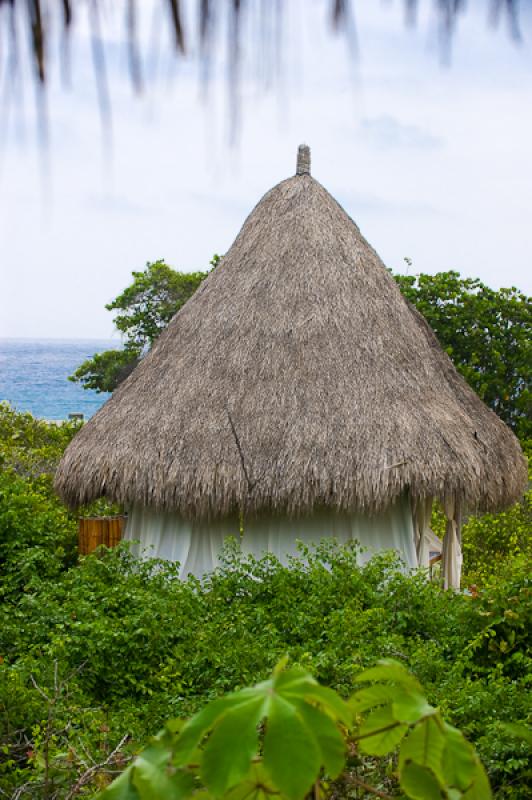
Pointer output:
37, 535
491, 542
142, 645
107, 648
32, 447
288, 735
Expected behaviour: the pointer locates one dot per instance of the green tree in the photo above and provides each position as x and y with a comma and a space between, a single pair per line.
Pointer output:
487, 333
105, 371
144, 309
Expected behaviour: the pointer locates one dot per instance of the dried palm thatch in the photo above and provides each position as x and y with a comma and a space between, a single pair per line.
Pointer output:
296, 377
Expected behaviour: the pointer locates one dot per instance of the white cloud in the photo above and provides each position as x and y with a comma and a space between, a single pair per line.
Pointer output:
387, 132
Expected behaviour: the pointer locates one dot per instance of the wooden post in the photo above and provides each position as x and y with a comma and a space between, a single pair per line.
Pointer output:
95, 531
82, 536
116, 529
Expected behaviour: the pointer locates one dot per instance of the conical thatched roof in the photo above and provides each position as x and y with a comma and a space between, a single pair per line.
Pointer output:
297, 376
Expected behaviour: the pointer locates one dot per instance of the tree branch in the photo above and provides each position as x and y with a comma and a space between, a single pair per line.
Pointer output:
89, 774
367, 787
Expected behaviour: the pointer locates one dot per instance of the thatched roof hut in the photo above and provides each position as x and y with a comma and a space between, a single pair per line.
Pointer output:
297, 378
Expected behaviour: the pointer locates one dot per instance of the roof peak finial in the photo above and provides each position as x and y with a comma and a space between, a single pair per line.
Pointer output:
303, 160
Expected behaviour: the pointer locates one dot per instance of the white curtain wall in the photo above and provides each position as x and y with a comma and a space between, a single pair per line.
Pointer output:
197, 545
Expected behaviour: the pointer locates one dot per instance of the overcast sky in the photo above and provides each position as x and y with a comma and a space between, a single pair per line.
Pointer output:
433, 162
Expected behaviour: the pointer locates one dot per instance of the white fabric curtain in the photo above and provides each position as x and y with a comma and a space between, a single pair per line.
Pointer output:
197, 545
427, 543
389, 530
452, 550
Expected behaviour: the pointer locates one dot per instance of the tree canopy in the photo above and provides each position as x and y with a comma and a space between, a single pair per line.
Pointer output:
488, 335
486, 332
145, 308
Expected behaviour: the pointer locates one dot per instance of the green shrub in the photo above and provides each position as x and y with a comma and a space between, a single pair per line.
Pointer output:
32, 447
491, 542
147, 646
289, 737
37, 535
131, 645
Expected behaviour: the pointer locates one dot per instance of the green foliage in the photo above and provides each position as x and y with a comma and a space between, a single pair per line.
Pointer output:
506, 605
146, 306
284, 735
488, 335
104, 371
142, 646
115, 647
29, 446
300, 723
143, 309
491, 543
37, 537
435, 760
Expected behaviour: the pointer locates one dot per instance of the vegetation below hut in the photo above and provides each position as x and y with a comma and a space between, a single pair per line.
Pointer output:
106, 648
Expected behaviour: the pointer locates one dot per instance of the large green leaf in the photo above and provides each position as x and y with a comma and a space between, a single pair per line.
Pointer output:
232, 745
480, 788
175, 725
419, 783
389, 670
330, 740
293, 679
152, 776
121, 788
153, 781
196, 728
292, 756
458, 759
424, 746
376, 695
519, 731
256, 786
308, 736
380, 733
411, 707
330, 700
296, 683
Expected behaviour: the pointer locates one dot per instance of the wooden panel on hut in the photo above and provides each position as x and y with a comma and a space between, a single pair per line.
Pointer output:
95, 531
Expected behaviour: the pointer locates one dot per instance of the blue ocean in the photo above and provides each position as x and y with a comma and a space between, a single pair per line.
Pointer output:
34, 376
